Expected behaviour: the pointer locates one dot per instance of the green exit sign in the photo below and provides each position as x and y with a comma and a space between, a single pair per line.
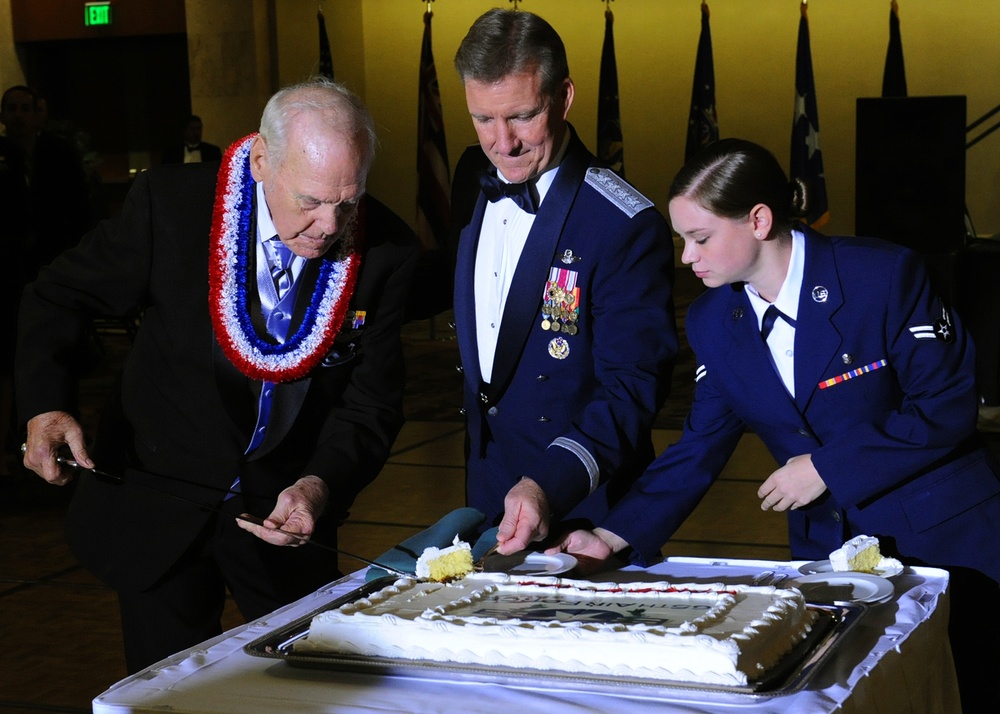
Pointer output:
96, 13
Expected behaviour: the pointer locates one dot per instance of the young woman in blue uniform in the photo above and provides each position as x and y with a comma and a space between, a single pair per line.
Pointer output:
837, 353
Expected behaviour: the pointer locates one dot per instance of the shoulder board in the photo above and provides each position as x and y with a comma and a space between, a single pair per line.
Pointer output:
610, 185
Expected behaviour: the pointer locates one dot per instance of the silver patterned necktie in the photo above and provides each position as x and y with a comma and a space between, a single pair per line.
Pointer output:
281, 270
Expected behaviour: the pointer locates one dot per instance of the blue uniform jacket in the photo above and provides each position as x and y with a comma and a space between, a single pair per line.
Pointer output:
571, 410
886, 403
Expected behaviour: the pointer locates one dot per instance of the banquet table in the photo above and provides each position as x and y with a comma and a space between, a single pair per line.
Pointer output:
894, 658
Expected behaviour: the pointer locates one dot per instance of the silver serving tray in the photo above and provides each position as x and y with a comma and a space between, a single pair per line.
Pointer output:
790, 675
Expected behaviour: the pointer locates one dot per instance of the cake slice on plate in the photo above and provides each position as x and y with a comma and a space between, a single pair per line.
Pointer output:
860, 554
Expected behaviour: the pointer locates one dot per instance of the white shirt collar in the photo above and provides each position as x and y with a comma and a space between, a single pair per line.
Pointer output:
788, 297
265, 226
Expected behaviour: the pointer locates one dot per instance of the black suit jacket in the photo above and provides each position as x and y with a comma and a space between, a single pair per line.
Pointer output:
182, 410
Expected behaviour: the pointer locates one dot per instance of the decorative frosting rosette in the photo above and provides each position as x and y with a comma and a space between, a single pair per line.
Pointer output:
254, 355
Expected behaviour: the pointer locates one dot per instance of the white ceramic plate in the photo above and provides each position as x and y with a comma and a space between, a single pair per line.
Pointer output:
887, 568
841, 587
542, 564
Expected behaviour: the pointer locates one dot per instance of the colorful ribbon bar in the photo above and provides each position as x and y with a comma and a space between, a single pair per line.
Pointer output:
853, 373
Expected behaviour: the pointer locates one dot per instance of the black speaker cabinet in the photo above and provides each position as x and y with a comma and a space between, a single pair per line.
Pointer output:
910, 171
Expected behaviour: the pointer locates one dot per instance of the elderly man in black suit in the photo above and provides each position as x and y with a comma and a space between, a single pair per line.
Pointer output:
266, 377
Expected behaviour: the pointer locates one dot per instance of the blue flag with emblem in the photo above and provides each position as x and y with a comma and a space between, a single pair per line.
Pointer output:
325, 58
703, 124
610, 146
433, 175
894, 75
807, 158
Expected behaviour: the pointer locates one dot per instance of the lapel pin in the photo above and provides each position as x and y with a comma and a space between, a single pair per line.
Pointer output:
820, 294
568, 258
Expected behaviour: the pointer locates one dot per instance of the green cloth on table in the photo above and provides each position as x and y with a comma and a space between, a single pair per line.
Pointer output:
486, 541
462, 522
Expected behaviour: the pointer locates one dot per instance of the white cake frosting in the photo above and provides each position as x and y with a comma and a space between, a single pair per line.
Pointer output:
704, 633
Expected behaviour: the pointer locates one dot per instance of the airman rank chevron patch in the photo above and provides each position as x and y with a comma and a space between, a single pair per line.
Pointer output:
615, 189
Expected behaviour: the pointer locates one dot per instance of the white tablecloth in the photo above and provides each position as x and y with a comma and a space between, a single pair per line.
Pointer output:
895, 659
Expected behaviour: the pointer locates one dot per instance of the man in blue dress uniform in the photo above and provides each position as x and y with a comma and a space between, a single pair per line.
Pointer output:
562, 294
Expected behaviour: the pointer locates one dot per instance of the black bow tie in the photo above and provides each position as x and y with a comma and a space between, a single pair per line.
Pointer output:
520, 193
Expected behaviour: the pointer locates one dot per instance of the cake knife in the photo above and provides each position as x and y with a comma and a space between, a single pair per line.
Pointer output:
260, 522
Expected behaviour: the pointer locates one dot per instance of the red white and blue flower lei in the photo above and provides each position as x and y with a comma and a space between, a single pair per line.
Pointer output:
229, 281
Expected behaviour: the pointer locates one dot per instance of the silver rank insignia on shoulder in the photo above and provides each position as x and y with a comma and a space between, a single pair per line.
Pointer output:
941, 329
614, 188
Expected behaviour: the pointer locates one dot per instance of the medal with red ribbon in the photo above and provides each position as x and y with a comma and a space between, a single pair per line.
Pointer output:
561, 302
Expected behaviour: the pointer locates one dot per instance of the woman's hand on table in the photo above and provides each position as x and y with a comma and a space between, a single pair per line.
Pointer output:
592, 549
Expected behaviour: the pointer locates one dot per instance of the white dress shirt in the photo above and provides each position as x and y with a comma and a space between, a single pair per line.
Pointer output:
265, 253
501, 239
781, 341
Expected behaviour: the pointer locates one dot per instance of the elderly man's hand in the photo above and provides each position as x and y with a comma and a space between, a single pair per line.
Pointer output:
525, 517
47, 433
297, 509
